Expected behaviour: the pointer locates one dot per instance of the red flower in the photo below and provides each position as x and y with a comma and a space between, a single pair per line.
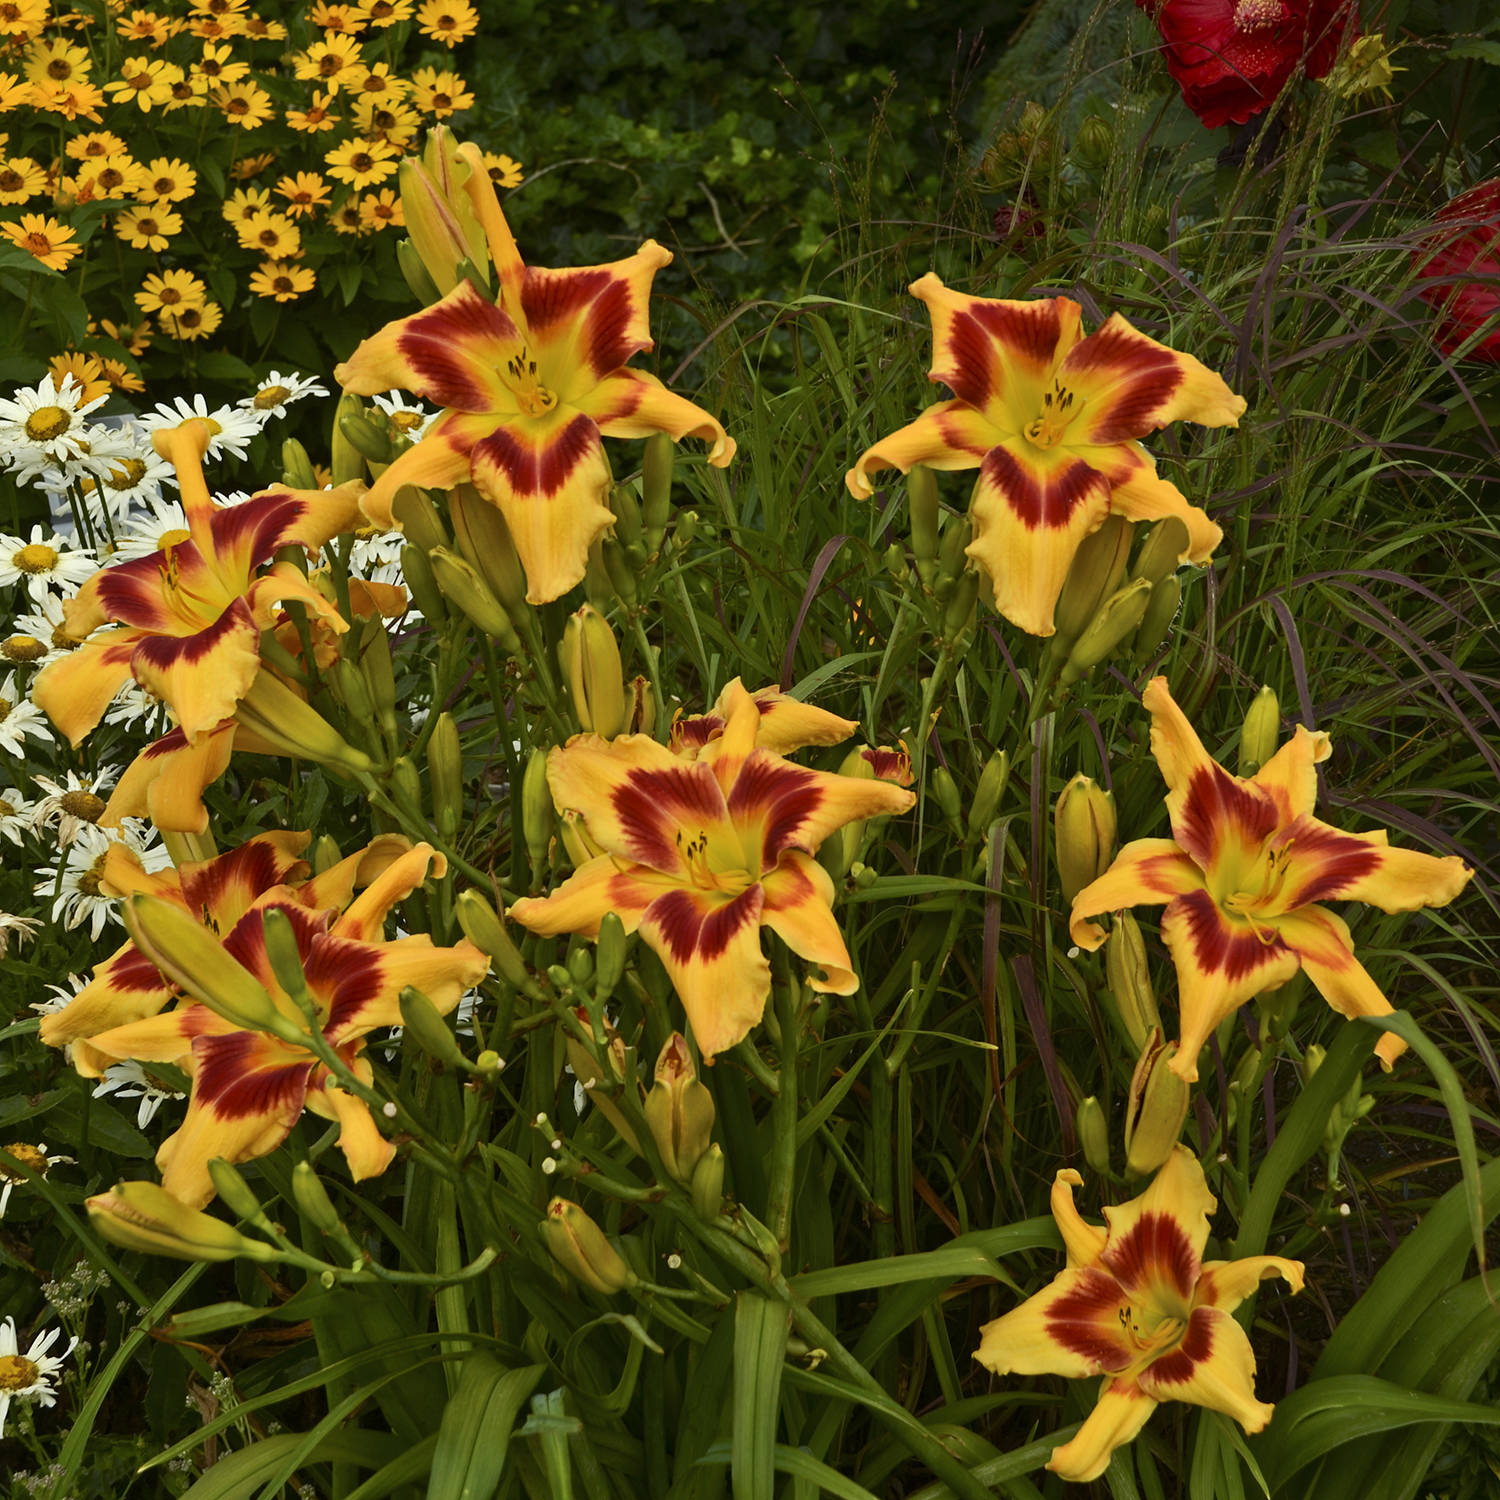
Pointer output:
1459, 271
1231, 58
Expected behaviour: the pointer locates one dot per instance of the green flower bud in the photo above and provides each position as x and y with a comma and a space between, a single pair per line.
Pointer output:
707, 1187
354, 693
1156, 1108
1093, 1134
296, 467
621, 572
484, 539
274, 712
686, 529
580, 1248
538, 813
1098, 566
235, 1191
1129, 979
590, 660
1094, 142
461, 584
1260, 732
419, 519
987, 797
422, 585
414, 273
482, 926
312, 1199
926, 515
610, 949
380, 677
346, 461
445, 776
406, 785
1084, 827
953, 545
365, 437
431, 1032
629, 525
944, 789
679, 1110
1156, 621
1162, 551
142, 1216
1121, 614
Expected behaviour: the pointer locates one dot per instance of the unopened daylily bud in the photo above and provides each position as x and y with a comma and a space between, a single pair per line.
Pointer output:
419, 519
640, 706
372, 442
325, 853
1161, 609
707, 1186
312, 1199
422, 586
926, 513
580, 1248
1259, 732
1093, 1134
235, 1191
1095, 573
580, 966
679, 1110
610, 949
429, 1030
987, 796
575, 840
354, 693
686, 529
406, 785
461, 584
484, 538
1129, 979
629, 526
416, 276
621, 572
656, 489
433, 223
590, 660
538, 812
952, 559
345, 460
482, 926
193, 958
1084, 825
1313, 1057
296, 467
1156, 1108
283, 953
445, 776
598, 1083
894, 559
274, 712
375, 663
959, 610
1121, 613
945, 791
1161, 550
143, 1216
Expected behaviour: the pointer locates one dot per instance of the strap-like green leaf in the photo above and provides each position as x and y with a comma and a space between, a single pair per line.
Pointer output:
476, 1429
760, 1333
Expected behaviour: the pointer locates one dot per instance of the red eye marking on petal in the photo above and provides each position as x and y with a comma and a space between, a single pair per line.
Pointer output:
1331, 860
786, 796
1228, 949
1147, 377
1084, 1321
1196, 1346
690, 932
654, 807
1154, 1250
236, 1078
1214, 804
540, 469
1044, 498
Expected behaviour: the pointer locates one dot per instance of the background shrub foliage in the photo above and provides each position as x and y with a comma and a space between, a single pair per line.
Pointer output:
930, 1111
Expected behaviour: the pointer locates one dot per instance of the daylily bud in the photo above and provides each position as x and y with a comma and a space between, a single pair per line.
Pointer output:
346, 461
1122, 613
433, 223
1093, 1134
609, 955
415, 274
580, 1248
707, 1187
1084, 824
1129, 979
922, 498
987, 797
945, 790
686, 529
375, 663
445, 776
235, 1191
1259, 732
143, 1216
192, 957
656, 489
484, 538
1156, 621
296, 467
628, 523
1158, 556
282, 952
538, 813
952, 559
369, 440
274, 712
597, 1083
406, 785
313, 1201
621, 574
575, 839
640, 706
1157, 1106
419, 518
580, 967
422, 586
354, 693
679, 1110
1312, 1059
590, 659
324, 854
894, 559
1096, 571
959, 610
482, 926
461, 584
429, 1030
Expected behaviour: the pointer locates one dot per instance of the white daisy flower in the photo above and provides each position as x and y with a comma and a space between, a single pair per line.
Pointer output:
134, 704
232, 428
26, 650
23, 929
277, 392
62, 994
44, 562
19, 717
376, 555
148, 528
46, 626
74, 803
29, 1376
410, 418
73, 884
37, 1159
129, 1080
46, 422
100, 448
16, 814
135, 476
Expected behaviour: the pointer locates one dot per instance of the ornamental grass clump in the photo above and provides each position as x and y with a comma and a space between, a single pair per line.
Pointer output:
596, 907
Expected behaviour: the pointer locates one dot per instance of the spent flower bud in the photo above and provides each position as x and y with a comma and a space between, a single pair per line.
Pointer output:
679, 1110
578, 1245
1129, 979
1156, 1107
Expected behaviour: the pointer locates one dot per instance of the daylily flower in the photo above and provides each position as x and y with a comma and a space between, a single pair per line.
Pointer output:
700, 855
128, 987
189, 617
529, 385
1138, 1305
1243, 876
786, 723
1050, 419
251, 1087
1458, 267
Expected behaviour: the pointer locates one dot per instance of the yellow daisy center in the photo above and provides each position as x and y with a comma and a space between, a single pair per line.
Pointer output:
6, 809
28, 1156
62, 641
17, 1373
5, 708
128, 472
169, 539
91, 882
22, 648
269, 396
35, 558
85, 805
47, 422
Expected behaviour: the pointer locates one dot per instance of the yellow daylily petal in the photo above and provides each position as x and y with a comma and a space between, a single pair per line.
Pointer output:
634, 404
1226, 1283
1083, 1241
1291, 776
951, 435
587, 896
1071, 1327
1158, 1236
74, 690
1215, 1368
165, 781
1122, 1410
799, 910
1146, 872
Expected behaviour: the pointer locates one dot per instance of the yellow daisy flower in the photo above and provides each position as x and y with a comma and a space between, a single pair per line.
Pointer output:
345, 218
386, 120
381, 210
121, 377
305, 193
86, 369
136, 339
361, 163
45, 238
375, 80
167, 293
329, 62
386, 12
282, 280
54, 62
504, 171
252, 166
145, 26
167, 181
245, 203
187, 93
96, 143
15, 93
192, 322
216, 28
219, 65
150, 227
440, 94
316, 117
144, 82
272, 234
245, 104
447, 21
257, 28
21, 180
70, 100
341, 20
22, 18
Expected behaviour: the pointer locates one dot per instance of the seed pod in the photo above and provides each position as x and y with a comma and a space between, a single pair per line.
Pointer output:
1129, 979
1084, 828
590, 660
143, 1216
578, 1245
1259, 732
1095, 573
679, 1110
1156, 1108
